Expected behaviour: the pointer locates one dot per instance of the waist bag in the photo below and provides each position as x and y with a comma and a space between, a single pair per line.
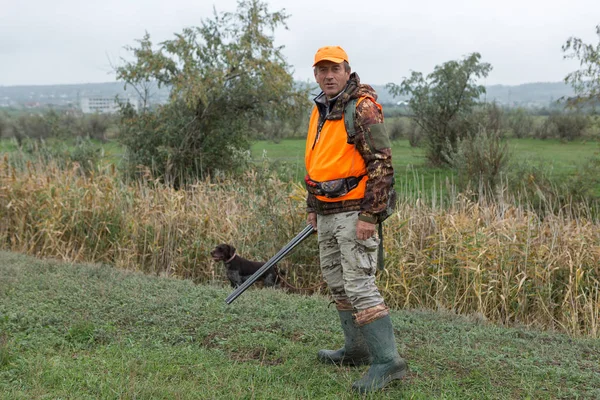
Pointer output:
334, 188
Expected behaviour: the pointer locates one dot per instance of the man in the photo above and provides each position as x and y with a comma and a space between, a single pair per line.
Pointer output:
349, 181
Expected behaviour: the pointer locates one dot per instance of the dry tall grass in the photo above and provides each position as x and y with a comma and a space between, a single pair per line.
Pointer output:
501, 262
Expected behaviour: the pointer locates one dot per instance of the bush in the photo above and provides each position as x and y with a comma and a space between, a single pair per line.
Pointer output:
480, 162
564, 126
569, 126
415, 134
488, 117
53, 124
546, 130
3, 126
85, 154
30, 126
397, 129
520, 123
95, 126
173, 144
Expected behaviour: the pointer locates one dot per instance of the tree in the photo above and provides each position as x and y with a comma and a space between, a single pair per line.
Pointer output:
442, 103
585, 81
225, 76
3, 125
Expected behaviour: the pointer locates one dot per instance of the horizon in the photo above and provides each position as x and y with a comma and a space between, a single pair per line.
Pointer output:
372, 84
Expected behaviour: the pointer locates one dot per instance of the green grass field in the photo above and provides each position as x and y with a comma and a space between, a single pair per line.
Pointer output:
552, 152
562, 155
93, 332
558, 158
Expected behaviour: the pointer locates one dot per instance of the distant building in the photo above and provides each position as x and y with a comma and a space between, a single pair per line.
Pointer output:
104, 105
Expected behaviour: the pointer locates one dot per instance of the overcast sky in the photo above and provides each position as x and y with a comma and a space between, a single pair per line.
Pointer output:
76, 41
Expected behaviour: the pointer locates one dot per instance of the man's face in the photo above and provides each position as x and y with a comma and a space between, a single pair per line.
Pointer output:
331, 77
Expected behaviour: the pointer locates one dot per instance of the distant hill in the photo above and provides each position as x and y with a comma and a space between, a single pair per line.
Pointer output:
538, 94
67, 95
527, 95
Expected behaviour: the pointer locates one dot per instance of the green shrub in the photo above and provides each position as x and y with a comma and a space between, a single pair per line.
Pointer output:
3, 126
175, 145
397, 129
95, 126
414, 133
520, 123
570, 126
54, 124
487, 117
479, 162
565, 126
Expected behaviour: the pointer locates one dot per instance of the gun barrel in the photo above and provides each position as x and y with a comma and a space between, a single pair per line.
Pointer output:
306, 232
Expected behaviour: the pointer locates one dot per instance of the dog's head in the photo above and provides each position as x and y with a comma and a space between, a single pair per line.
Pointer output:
222, 252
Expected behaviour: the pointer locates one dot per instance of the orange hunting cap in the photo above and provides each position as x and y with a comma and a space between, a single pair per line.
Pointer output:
331, 53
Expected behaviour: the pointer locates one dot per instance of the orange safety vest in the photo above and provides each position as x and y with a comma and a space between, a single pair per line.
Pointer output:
332, 157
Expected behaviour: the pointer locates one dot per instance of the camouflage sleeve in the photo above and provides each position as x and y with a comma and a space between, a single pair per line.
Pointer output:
374, 145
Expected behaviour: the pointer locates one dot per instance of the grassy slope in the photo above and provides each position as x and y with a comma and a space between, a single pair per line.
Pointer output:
80, 331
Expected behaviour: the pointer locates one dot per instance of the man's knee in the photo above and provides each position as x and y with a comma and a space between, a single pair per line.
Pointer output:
363, 292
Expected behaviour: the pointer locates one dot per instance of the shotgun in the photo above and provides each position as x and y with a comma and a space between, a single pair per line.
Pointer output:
306, 232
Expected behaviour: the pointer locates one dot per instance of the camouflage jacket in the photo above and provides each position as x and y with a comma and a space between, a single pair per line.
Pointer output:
372, 144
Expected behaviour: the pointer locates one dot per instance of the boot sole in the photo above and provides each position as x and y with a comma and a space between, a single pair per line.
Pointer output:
344, 362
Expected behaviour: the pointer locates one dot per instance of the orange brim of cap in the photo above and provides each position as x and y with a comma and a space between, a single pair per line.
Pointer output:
332, 59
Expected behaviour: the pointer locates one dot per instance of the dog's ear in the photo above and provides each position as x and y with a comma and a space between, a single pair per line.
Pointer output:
229, 249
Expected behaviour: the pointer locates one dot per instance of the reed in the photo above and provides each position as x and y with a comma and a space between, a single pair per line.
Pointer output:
494, 258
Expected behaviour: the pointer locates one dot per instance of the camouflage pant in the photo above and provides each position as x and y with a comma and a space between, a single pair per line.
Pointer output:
348, 264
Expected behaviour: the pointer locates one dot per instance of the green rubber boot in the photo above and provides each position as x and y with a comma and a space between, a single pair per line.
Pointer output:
387, 364
355, 350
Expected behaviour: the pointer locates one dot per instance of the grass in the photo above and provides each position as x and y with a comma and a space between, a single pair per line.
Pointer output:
560, 158
563, 155
74, 331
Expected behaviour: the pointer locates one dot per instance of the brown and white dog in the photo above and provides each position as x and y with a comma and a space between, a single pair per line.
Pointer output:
239, 269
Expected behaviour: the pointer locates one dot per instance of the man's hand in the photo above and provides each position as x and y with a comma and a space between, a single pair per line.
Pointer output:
364, 230
312, 219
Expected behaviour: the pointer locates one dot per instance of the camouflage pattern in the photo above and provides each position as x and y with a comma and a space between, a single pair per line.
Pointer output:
377, 160
348, 264
369, 315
